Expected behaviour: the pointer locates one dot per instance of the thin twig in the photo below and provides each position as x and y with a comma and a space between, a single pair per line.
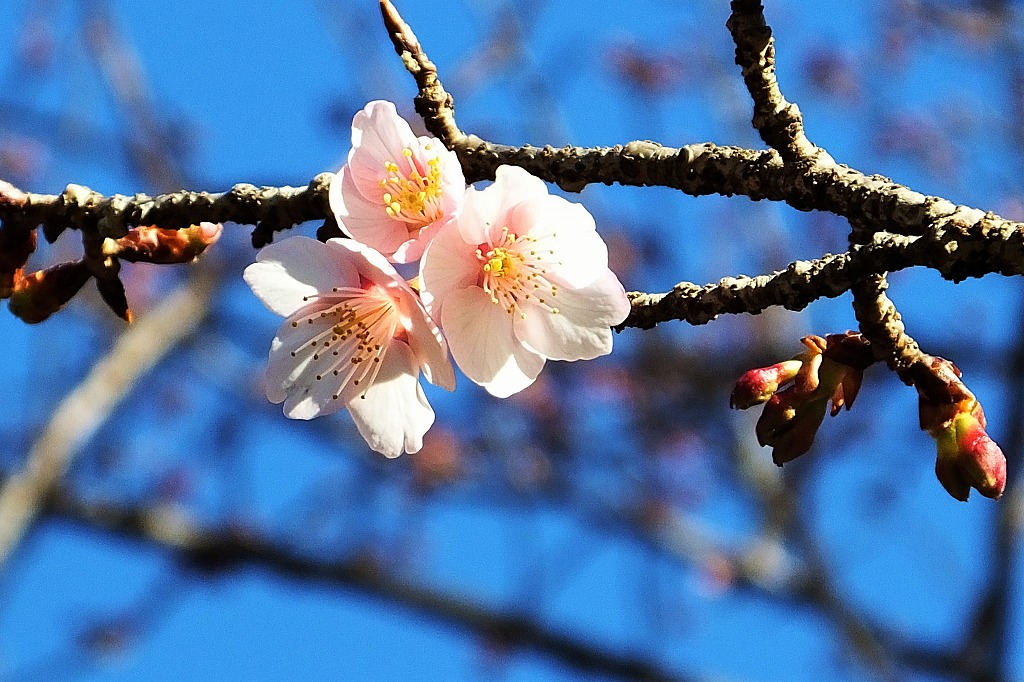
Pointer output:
778, 121
78, 416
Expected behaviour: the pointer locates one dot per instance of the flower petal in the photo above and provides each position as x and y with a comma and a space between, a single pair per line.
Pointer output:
429, 347
448, 265
581, 330
294, 366
362, 219
395, 414
567, 242
369, 263
379, 135
425, 339
514, 185
481, 341
287, 272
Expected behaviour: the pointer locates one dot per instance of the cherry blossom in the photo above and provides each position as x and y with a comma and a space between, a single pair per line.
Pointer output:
396, 190
517, 278
356, 337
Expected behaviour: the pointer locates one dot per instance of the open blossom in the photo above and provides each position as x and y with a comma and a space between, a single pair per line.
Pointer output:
396, 190
356, 337
517, 278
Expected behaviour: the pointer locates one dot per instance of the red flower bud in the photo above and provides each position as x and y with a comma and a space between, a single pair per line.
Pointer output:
831, 369
112, 292
789, 424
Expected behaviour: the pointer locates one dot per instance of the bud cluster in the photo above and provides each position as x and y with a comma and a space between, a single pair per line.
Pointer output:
149, 244
796, 393
36, 296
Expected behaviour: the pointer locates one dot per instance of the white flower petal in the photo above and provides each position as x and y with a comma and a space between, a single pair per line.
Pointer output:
369, 262
481, 341
486, 212
513, 185
395, 414
581, 328
567, 243
283, 370
287, 272
424, 337
448, 265
292, 379
478, 215
428, 345
412, 250
453, 181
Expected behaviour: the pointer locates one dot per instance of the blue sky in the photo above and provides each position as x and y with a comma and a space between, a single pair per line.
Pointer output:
264, 92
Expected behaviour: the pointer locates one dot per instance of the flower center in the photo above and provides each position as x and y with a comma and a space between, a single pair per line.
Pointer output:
413, 195
361, 325
514, 274
499, 262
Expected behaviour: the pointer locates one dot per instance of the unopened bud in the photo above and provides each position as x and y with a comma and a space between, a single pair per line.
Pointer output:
830, 370
16, 245
42, 293
112, 292
150, 244
949, 412
968, 458
789, 424
759, 385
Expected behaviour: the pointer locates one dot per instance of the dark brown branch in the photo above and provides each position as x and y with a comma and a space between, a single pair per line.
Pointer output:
433, 102
225, 549
779, 122
269, 208
882, 325
698, 170
957, 241
956, 254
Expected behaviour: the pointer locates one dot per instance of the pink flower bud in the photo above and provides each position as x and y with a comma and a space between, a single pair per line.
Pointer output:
759, 385
949, 412
968, 458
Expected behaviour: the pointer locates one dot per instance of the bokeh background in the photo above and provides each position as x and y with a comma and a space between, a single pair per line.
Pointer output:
614, 520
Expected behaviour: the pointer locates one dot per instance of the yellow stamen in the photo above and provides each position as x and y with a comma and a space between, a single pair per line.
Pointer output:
411, 196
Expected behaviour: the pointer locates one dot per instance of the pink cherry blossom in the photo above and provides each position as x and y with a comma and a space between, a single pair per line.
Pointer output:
356, 337
396, 190
517, 278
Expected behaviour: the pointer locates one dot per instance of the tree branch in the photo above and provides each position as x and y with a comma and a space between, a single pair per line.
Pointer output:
84, 409
271, 209
779, 122
882, 325
219, 550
